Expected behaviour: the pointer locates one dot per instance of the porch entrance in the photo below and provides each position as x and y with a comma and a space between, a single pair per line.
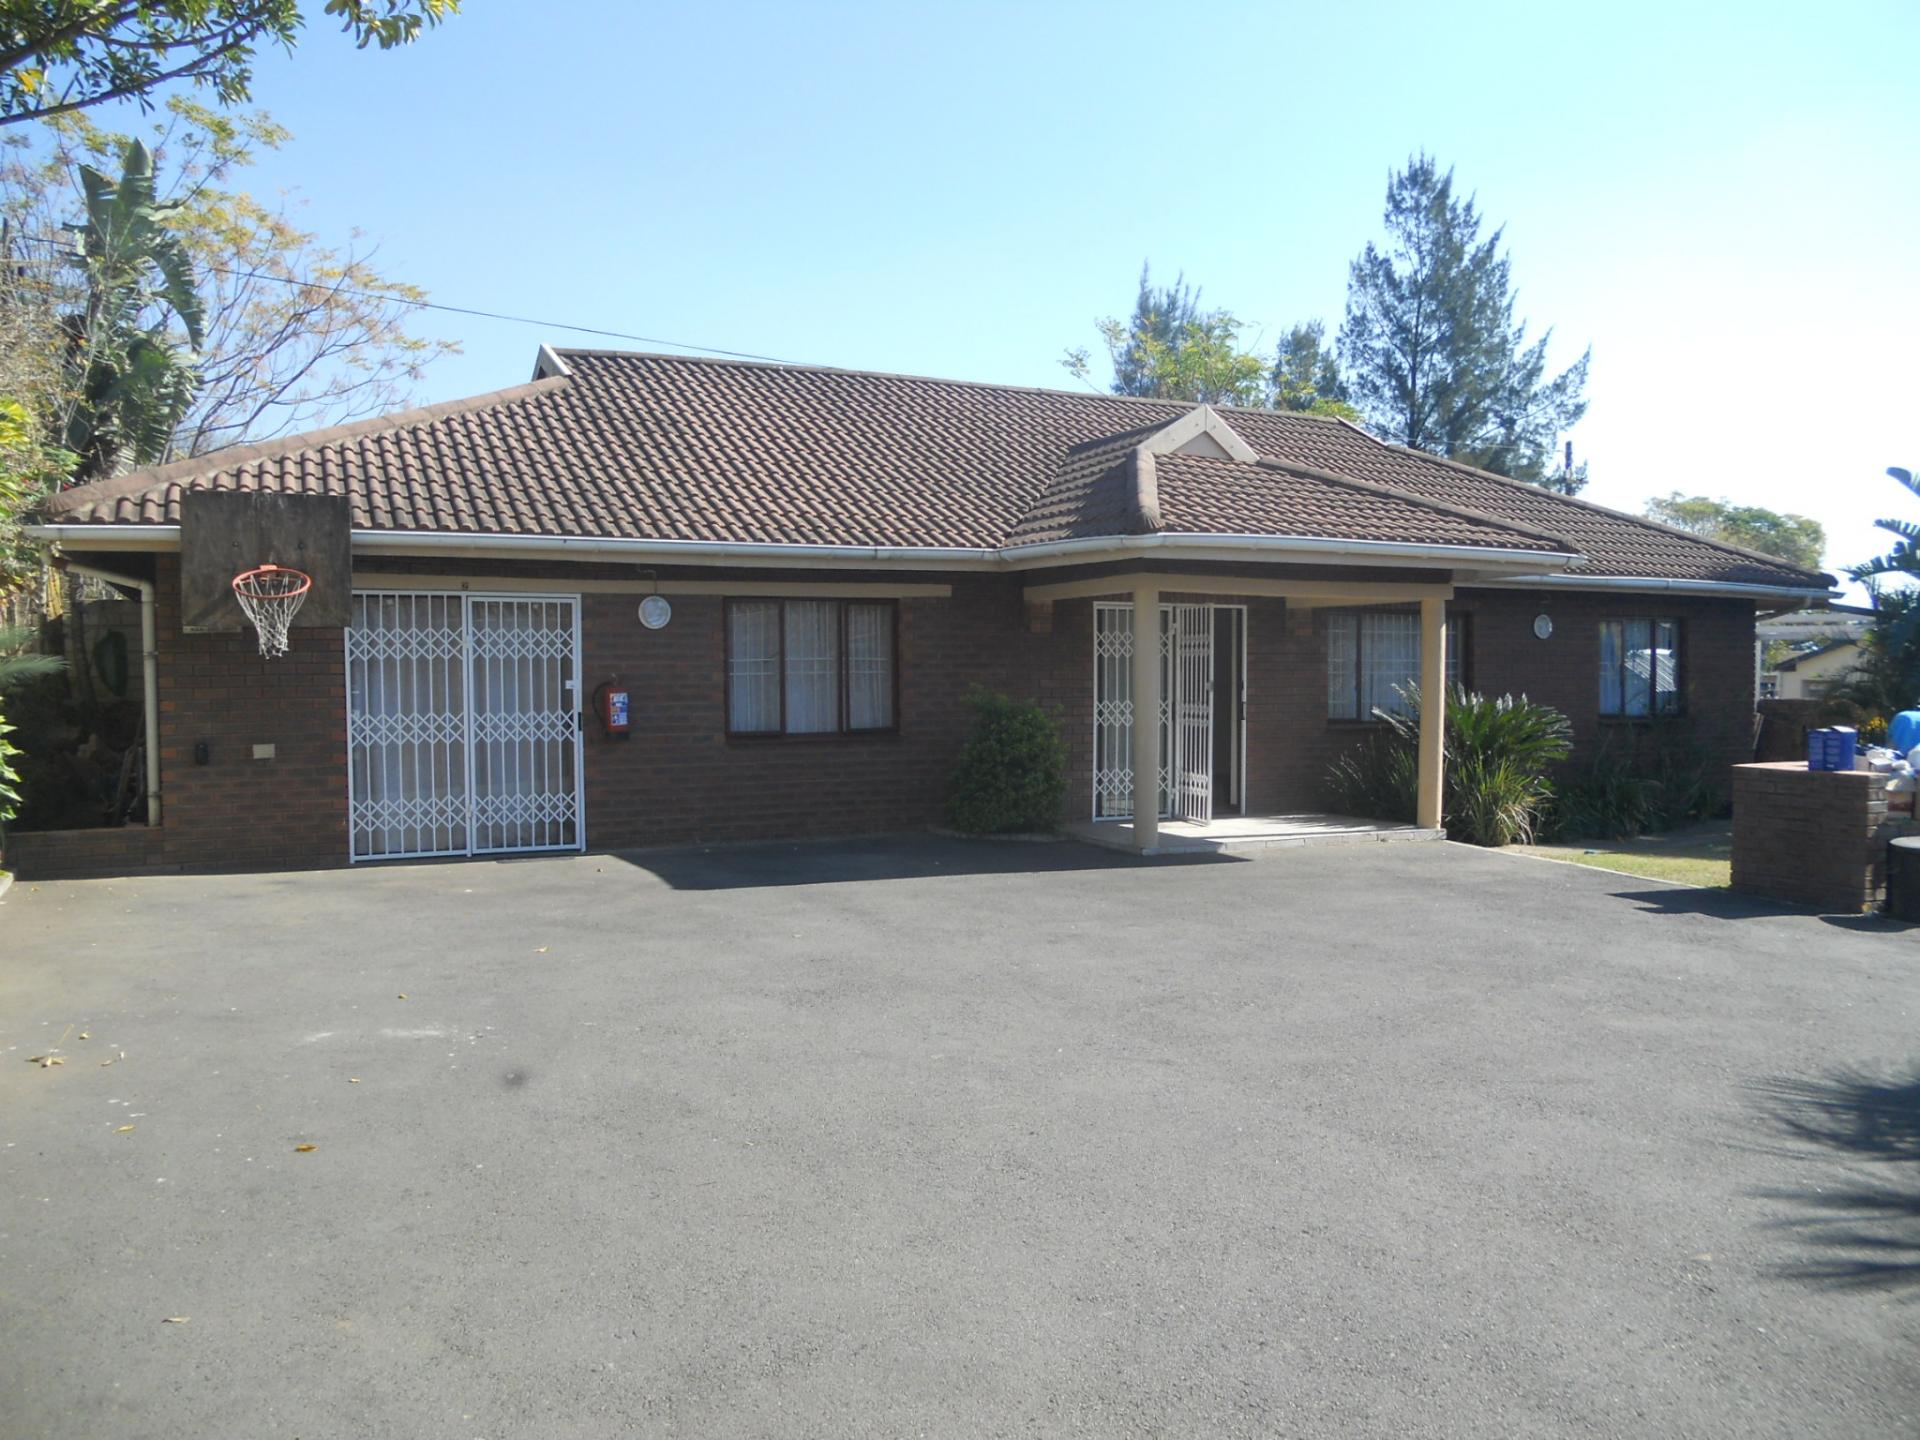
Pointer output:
1202, 712
463, 719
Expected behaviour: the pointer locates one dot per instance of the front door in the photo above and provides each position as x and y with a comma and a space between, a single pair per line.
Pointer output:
462, 724
1186, 718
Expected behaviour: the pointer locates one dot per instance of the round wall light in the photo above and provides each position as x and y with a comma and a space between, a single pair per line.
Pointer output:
1543, 625
655, 612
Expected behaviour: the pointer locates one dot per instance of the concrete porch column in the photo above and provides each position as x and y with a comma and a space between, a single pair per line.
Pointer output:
1146, 718
1433, 713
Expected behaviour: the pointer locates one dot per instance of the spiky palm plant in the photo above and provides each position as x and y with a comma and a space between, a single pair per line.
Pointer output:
1904, 558
131, 377
1888, 679
1499, 752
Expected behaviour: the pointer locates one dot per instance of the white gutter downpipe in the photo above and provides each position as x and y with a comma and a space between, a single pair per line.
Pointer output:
149, 674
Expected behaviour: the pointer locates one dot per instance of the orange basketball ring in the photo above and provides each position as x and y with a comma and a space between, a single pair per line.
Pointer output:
270, 595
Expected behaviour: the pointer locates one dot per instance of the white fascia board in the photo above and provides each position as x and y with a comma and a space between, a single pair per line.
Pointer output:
1656, 586
705, 552
1308, 549
109, 537
1168, 545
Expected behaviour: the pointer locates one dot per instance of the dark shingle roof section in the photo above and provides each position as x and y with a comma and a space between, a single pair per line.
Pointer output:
1209, 496
1094, 490
1613, 544
661, 447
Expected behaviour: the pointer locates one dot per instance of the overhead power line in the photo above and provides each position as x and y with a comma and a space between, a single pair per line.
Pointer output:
460, 309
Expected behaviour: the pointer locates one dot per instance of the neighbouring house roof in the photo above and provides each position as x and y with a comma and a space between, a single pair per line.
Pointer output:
1807, 657
659, 447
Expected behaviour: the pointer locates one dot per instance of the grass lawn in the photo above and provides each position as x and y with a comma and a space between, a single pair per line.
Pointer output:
1695, 855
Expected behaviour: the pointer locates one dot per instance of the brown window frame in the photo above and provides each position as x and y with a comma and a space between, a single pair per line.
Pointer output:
1622, 716
1457, 623
842, 691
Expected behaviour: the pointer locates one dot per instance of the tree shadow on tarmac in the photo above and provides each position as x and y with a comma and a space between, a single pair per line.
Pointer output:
1855, 1138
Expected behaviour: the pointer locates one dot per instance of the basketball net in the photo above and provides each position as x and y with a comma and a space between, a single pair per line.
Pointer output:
271, 596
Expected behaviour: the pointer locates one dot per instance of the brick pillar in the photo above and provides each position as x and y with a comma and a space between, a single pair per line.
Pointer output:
1811, 837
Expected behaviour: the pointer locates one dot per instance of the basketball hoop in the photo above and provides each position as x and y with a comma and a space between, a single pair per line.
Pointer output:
271, 595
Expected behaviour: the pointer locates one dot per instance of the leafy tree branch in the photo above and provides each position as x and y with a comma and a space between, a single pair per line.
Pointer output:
59, 56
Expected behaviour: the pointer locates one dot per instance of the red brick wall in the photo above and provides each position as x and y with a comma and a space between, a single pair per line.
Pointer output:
83, 854
235, 810
1812, 837
680, 779
1563, 671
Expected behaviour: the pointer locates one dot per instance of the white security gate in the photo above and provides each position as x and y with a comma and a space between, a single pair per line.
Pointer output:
462, 724
1192, 644
1186, 712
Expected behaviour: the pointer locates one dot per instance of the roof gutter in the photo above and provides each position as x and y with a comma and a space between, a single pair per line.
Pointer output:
1657, 585
109, 537
436, 542
1015, 557
1304, 546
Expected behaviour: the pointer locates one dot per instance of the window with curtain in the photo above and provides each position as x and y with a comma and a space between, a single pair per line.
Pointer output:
1372, 653
809, 667
1639, 668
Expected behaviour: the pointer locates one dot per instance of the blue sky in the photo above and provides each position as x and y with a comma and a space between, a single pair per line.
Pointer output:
1721, 199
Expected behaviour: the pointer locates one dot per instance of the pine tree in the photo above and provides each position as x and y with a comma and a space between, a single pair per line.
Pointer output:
1306, 374
1434, 357
1171, 349
1163, 319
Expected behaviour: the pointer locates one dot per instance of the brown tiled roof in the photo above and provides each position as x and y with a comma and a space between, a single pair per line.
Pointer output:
1614, 544
1203, 495
626, 446
1092, 491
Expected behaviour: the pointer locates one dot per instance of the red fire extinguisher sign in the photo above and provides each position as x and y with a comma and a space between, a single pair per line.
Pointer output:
615, 709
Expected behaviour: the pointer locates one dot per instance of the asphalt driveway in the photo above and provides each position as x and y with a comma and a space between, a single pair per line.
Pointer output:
930, 1138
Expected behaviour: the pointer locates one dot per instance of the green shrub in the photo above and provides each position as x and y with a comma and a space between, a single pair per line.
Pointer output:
1636, 786
1609, 800
1379, 778
9, 777
1499, 753
1012, 775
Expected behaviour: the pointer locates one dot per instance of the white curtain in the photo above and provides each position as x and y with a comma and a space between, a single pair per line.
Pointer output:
1639, 667
1343, 658
1389, 657
1666, 677
1456, 650
869, 667
753, 667
813, 667
1612, 696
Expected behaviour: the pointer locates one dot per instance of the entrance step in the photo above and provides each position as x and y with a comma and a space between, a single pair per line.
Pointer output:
1248, 834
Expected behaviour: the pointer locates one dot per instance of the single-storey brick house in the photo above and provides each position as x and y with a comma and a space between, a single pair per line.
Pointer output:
796, 574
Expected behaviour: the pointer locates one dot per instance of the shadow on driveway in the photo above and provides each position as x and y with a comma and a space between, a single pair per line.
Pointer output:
1856, 1136
1732, 905
896, 857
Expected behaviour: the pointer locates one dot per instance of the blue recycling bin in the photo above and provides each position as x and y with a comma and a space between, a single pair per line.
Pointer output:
1816, 749
1843, 747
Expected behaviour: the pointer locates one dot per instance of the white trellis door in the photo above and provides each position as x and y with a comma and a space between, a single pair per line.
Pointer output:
526, 728
1186, 712
462, 724
1193, 712
407, 725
